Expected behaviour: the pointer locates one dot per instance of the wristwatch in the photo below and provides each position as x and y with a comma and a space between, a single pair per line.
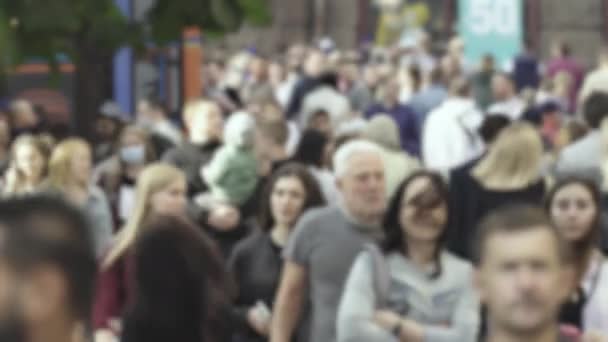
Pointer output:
396, 331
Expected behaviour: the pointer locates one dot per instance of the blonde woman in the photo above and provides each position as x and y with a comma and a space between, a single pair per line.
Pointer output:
509, 173
70, 174
28, 166
160, 190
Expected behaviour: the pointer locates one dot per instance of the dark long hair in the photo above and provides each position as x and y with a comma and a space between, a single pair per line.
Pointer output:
311, 148
436, 194
314, 196
579, 251
183, 291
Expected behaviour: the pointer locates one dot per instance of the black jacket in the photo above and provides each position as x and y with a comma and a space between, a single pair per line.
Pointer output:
469, 202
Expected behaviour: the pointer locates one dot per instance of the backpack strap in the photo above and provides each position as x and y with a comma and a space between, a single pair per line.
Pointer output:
380, 274
470, 133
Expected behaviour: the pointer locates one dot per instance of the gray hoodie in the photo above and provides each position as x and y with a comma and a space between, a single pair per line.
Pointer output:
446, 306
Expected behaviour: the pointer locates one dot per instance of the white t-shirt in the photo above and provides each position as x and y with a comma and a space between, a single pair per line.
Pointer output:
595, 285
126, 202
513, 108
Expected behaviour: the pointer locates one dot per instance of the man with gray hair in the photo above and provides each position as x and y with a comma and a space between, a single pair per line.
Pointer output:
324, 245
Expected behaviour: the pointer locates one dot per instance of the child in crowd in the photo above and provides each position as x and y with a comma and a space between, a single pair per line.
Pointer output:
231, 175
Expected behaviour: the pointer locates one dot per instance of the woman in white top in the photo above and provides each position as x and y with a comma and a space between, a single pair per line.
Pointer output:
574, 205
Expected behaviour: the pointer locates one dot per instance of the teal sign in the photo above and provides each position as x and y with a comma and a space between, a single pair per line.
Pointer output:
491, 27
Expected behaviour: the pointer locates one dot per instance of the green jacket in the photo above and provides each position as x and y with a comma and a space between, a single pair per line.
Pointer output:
232, 175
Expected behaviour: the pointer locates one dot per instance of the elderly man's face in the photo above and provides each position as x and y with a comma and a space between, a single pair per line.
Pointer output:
363, 187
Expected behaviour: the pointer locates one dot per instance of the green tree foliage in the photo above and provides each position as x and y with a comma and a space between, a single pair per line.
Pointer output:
168, 17
90, 31
43, 28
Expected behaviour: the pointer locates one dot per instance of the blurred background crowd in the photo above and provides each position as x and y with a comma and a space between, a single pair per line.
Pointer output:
321, 194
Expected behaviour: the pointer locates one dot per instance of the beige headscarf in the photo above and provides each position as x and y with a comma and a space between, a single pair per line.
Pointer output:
383, 130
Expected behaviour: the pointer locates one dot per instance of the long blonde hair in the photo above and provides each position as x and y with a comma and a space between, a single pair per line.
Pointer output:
60, 164
154, 178
513, 161
15, 179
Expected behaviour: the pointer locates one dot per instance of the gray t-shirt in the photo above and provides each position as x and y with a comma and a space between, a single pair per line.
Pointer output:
326, 244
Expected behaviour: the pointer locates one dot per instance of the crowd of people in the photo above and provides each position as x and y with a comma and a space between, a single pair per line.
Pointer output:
318, 196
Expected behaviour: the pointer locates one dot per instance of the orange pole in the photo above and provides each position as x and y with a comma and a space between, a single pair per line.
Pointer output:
191, 63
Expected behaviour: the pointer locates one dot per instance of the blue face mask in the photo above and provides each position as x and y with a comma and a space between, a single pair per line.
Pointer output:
134, 155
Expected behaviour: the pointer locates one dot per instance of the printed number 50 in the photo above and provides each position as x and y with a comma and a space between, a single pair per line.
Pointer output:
493, 16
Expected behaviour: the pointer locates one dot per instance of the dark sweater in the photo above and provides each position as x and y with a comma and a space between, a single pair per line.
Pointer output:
227, 240
604, 226
190, 158
470, 202
304, 87
256, 265
525, 72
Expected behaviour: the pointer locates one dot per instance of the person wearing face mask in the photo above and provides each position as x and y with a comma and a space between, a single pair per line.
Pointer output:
256, 261
161, 190
575, 208
117, 175
411, 289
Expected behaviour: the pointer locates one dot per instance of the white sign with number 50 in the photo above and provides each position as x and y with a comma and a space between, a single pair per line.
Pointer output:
493, 17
